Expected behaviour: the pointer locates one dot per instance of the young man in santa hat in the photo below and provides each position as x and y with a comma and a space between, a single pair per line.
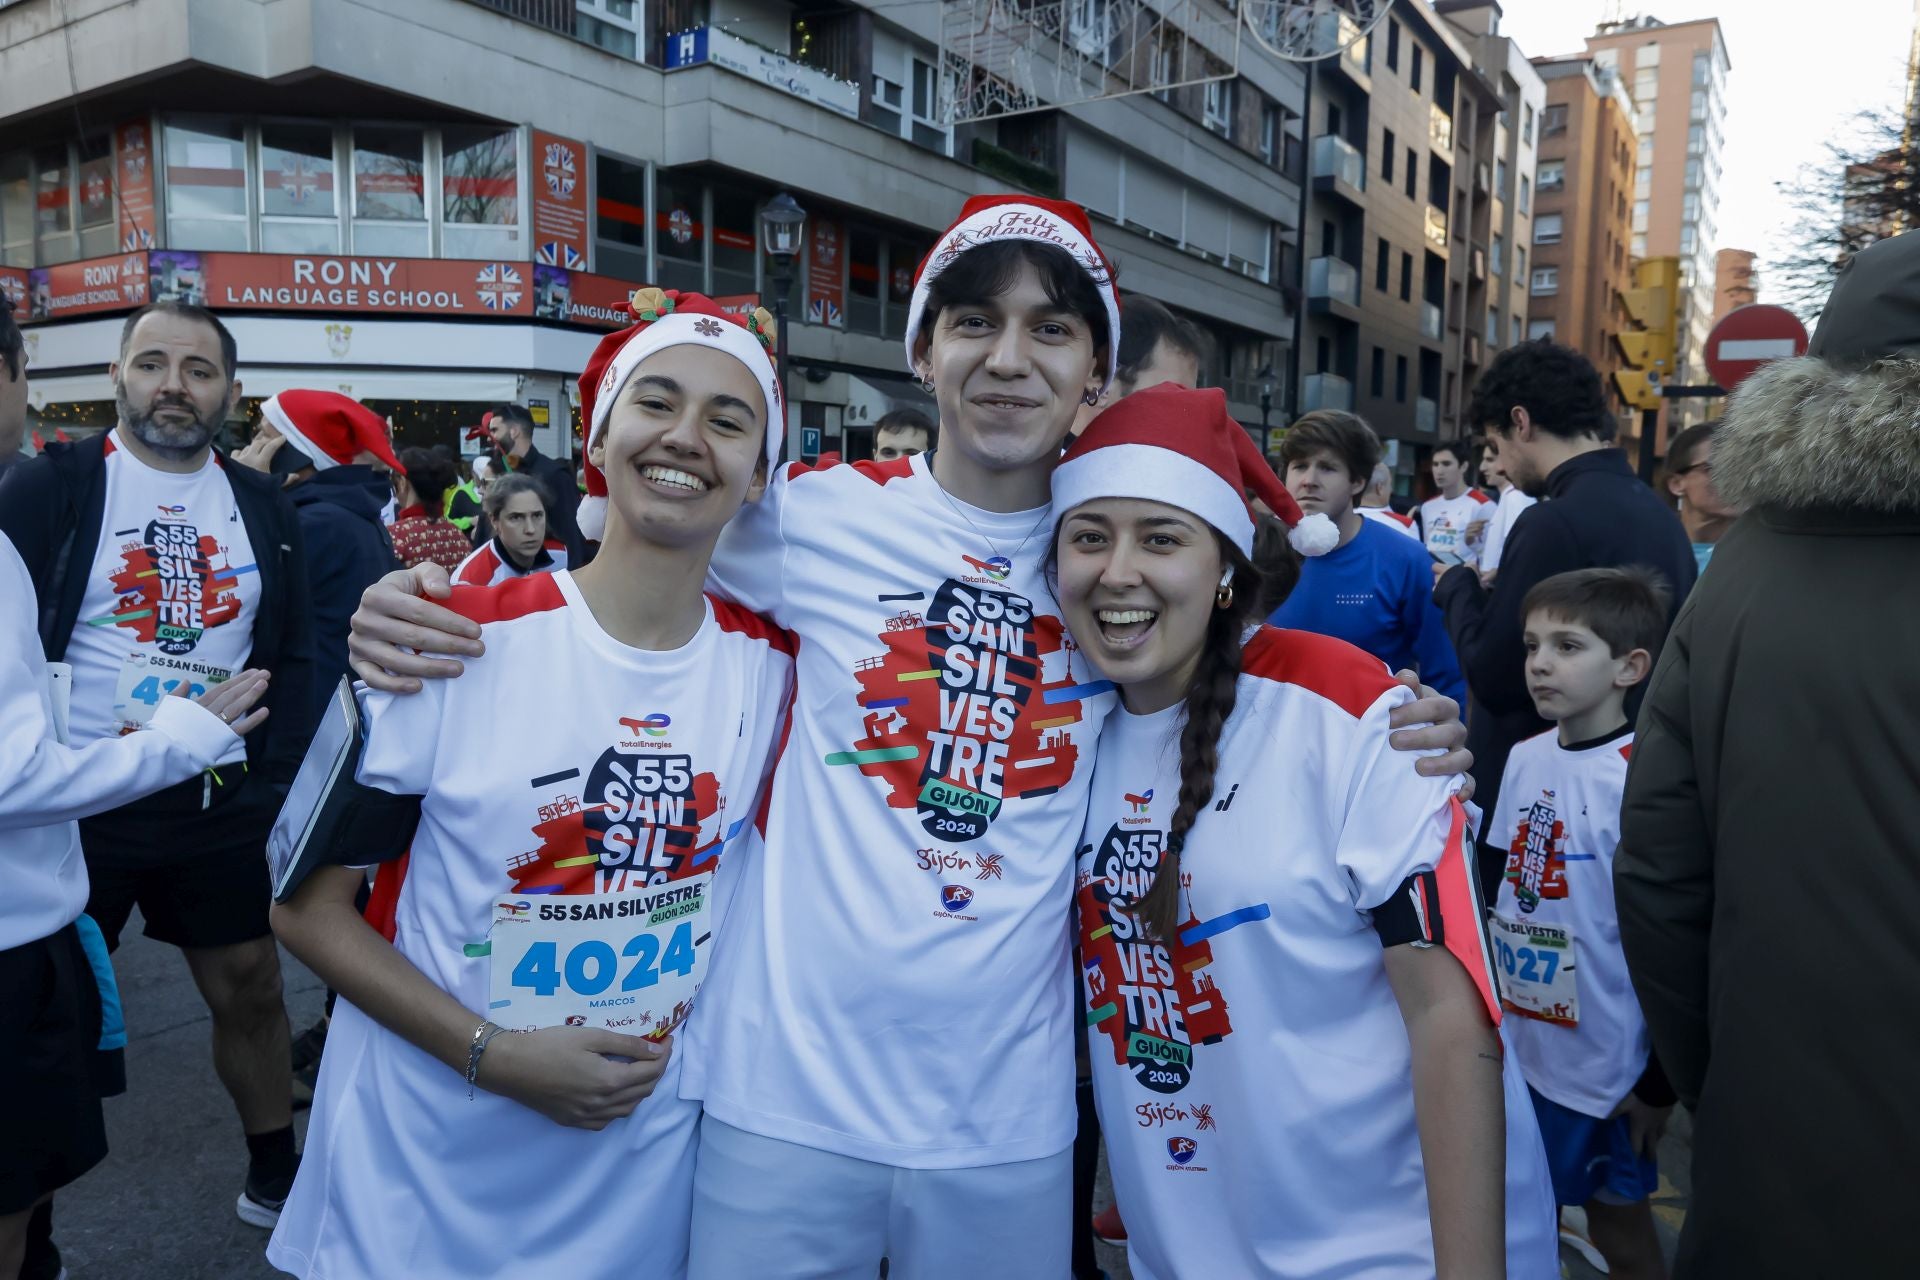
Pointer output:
575, 901
889, 1068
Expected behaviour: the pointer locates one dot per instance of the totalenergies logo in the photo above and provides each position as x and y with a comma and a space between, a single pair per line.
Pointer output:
1139, 802
995, 567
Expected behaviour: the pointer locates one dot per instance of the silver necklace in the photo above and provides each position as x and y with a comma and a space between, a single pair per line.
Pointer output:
991, 545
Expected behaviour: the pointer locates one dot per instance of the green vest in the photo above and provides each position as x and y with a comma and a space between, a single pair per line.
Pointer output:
463, 523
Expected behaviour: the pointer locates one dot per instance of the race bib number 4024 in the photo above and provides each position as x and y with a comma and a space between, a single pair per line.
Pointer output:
631, 961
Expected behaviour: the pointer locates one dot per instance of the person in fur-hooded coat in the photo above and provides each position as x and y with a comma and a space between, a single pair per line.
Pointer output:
1768, 879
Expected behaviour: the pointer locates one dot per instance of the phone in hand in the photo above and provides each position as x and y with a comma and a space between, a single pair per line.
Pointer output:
1447, 558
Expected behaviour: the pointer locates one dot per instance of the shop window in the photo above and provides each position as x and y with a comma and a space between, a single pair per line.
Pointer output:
389, 191
53, 204
735, 245
864, 283
99, 227
16, 209
480, 192
298, 213
206, 158
620, 221
680, 220
902, 259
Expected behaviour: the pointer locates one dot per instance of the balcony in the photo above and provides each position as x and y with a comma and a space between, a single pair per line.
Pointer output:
1333, 285
1482, 180
1437, 227
1325, 391
1474, 354
1430, 321
1338, 31
1339, 168
743, 57
554, 15
1439, 127
1426, 416
1477, 263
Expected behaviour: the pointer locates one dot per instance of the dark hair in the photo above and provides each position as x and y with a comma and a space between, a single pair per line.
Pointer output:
506, 487
518, 414
1346, 435
430, 475
907, 420
1210, 700
1681, 448
1627, 608
1276, 564
229, 350
1144, 325
13, 344
989, 270
1557, 386
1460, 449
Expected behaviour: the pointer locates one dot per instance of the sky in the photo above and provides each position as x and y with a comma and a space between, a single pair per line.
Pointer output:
1801, 75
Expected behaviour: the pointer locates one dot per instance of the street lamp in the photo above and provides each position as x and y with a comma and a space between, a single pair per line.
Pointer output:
783, 225
1266, 407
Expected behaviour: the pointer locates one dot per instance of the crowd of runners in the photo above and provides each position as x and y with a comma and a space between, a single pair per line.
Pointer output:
883, 838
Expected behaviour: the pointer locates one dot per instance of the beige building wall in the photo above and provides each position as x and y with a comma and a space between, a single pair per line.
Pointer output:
1733, 283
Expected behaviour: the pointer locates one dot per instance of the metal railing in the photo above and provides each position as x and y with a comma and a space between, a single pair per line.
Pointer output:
1325, 391
1430, 321
1334, 157
1333, 279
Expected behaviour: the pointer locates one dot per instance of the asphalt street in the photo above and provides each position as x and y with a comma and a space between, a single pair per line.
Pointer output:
161, 1206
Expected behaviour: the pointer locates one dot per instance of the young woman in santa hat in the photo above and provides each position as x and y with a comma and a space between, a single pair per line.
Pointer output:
1289, 1007
888, 1068
500, 1092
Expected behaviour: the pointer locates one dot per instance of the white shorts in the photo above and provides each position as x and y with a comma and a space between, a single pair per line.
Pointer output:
778, 1211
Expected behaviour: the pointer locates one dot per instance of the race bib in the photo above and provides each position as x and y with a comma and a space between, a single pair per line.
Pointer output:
630, 961
145, 678
1535, 964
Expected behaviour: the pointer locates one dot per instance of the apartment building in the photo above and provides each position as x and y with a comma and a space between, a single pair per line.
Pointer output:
1403, 131
1582, 230
1677, 75
1733, 281
437, 204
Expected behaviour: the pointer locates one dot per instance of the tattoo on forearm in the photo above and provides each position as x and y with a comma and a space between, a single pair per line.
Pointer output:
1490, 1057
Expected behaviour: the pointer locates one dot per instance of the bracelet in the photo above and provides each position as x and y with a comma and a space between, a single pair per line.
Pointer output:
482, 1036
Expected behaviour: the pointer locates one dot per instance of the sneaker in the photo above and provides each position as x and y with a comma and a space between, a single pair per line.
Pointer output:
1573, 1234
1107, 1226
261, 1200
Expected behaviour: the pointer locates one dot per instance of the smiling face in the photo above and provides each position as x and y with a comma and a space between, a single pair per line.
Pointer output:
1137, 585
683, 447
1009, 371
1320, 483
172, 385
1570, 669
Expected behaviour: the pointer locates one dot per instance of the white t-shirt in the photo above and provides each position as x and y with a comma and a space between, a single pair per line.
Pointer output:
49, 784
487, 565
1444, 522
1254, 1081
171, 595
1505, 512
895, 986
1390, 518
557, 765
1559, 820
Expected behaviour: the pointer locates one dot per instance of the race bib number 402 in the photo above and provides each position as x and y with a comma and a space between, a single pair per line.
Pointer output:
631, 961
1535, 963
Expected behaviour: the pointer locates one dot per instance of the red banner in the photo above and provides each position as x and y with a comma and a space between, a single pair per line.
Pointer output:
574, 297
826, 286
284, 282
91, 285
13, 291
559, 201
133, 153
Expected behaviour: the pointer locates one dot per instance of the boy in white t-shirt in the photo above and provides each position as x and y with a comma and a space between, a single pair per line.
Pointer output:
1582, 1044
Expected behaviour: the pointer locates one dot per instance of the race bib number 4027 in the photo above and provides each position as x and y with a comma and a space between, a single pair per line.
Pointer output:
631, 961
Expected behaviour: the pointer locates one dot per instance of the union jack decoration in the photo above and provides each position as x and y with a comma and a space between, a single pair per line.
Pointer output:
300, 180
823, 311
499, 284
559, 168
557, 253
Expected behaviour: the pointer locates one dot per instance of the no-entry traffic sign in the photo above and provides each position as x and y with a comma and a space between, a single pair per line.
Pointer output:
1750, 336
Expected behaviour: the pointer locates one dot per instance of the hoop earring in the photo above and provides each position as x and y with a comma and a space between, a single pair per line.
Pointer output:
926, 385
1090, 399
1223, 598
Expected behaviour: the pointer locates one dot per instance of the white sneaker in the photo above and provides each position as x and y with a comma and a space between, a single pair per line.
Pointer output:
256, 1212
1573, 1234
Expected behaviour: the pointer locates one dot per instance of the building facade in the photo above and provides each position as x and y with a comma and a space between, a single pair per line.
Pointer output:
1734, 281
1582, 231
438, 204
1677, 75
1404, 133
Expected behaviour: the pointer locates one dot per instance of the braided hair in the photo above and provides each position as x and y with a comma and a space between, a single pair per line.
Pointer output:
1210, 700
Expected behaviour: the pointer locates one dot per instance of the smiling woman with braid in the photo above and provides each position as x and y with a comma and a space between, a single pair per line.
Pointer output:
1290, 1010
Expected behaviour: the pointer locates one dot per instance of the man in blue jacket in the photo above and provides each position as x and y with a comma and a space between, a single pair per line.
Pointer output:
1545, 404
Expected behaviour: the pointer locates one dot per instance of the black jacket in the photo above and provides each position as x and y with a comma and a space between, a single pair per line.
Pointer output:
347, 550
52, 509
1598, 515
562, 518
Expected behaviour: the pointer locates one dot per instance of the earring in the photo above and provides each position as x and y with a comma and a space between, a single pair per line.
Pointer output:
1090, 399
1223, 598
926, 384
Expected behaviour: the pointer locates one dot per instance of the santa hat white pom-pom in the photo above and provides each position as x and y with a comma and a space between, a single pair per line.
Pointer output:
1315, 535
592, 518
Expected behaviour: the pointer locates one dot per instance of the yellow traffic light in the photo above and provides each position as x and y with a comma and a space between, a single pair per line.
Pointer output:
1650, 308
1648, 349
1638, 388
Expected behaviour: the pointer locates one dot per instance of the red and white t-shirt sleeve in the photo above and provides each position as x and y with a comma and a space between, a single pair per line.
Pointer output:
479, 568
749, 564
1396, 822
403, 737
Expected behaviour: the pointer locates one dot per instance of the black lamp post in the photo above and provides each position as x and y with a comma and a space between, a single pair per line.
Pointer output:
783, 225
1266, 407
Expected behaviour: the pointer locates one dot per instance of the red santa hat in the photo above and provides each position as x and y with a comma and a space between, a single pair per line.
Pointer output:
1179, 446
669, 318
985, 219
329, 428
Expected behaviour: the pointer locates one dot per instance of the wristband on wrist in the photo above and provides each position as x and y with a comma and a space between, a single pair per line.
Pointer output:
482, 1036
